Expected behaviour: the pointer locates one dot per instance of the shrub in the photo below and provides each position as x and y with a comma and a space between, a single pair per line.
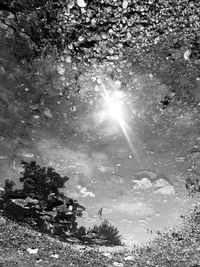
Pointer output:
39, 203
108, 232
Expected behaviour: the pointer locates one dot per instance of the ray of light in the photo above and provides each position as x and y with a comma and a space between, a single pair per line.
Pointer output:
114, 108
125, 132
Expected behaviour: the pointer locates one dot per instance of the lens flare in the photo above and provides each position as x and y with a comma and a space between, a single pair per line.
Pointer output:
113, 104
114, 109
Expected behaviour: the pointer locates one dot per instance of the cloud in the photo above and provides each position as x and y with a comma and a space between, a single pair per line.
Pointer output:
84, 192
135, 209
144, 183
164, 187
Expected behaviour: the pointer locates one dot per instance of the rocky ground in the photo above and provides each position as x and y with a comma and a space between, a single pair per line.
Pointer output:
21, 246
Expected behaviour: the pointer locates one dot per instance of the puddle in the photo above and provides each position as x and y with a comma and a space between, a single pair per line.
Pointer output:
134, 167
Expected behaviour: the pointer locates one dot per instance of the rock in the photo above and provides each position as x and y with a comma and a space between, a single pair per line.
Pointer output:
81, 3
32, 250
2, 70
55, 256
2, 221
118, 84
68, 59
125, 4
70, 4
118, 264
34, 106
47, 112
28, 155
61, 70
129, 258
187, 55
96, 88
107, 254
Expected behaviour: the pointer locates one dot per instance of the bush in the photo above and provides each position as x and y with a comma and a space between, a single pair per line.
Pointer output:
107, 232
193, 182
40, 204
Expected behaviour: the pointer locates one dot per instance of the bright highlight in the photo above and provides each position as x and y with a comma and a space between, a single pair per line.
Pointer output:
113, 105
114, 110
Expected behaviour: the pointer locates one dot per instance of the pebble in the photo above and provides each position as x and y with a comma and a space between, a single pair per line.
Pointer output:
96, 88
107, 254
125, 4
28, 155
70, 4
2, 221
118, 264
129, 258
187, 55
32, 250
99, 81
81, 3
93, 79
2, 70
48, 113
55, 256
68, 59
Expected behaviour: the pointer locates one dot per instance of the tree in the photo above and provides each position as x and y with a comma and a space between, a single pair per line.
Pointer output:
41, 182
108, 232
40, 204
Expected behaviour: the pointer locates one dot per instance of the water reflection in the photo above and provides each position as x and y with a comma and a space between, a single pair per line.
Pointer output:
136, 191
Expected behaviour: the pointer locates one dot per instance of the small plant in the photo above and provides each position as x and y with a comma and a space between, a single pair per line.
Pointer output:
107, 232
193, 182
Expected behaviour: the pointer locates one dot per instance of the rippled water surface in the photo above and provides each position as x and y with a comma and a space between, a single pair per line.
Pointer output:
55, 114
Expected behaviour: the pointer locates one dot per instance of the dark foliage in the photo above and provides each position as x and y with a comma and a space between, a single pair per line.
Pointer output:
41, 182
193, 182
107, 232
40, 204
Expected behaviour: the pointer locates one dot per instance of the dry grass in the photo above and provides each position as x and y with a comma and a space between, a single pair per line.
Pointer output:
180, 247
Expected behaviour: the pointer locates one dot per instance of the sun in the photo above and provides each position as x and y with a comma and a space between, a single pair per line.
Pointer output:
114, 106
114, 109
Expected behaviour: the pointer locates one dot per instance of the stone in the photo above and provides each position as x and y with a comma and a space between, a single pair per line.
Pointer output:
81, 3
118, 264
187, 55
28, 155
2, 221
129, 258
32, 250
107, 254
47, 112
55, 256
125, 4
